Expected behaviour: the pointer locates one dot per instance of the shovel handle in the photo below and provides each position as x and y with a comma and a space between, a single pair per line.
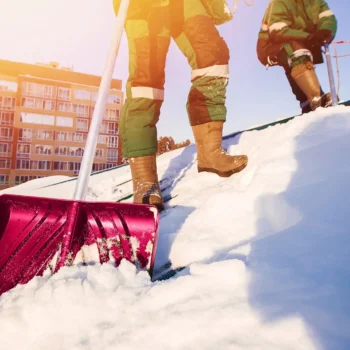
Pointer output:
330, 75
100, 107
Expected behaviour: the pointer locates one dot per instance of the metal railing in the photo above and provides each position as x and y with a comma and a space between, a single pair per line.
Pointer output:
337, 56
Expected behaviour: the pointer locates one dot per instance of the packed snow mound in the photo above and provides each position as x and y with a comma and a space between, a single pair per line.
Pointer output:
265, 255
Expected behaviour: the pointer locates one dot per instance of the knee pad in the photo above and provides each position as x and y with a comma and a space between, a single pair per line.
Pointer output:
299, 57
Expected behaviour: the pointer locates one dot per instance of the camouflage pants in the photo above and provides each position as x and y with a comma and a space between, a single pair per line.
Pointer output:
149, 35
283, 59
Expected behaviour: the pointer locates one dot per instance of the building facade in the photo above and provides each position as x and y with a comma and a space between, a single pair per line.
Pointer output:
45, 113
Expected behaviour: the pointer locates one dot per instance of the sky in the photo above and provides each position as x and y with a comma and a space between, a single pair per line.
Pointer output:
78, 32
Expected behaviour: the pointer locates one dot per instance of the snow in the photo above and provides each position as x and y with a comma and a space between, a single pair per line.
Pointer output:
265, 253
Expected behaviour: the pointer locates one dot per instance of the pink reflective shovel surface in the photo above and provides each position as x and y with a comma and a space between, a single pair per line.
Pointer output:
39, 234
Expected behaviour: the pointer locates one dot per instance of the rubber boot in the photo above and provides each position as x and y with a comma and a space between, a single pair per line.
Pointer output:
305, 76
326, 100
211, 157
145, 181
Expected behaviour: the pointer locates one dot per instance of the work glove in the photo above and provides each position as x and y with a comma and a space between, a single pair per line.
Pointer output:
321, 37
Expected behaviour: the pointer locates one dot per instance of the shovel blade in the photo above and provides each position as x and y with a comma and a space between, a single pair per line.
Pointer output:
41, 235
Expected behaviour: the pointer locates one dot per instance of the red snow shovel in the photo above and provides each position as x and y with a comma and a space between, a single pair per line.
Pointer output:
41, 235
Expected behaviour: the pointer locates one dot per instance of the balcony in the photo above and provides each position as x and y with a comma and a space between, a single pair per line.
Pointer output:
6, 138
22, 155
25, 138
6, 122
5, 153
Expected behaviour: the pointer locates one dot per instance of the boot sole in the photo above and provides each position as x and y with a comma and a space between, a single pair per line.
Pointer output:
223, 173
159, 205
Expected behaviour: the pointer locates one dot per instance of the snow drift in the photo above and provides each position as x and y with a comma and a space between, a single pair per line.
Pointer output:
265, 255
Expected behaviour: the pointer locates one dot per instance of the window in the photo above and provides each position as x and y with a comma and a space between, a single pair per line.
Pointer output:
49, 105
6, 85
4, 179
40, 165
23, 150
23, 164
38, 90
32, 118
61, 166
49, 91
115, 99
77, 137
6, 134
81, 110
22, 178
99, 153
31, 102
33, 164
25, 134
66, 166
108, 128
5, 149
76, 151
62, 151
39, 103
81, 95
112, 141
112, 155
76, 168
99, 166
102, 139
63, 136
42, 135
43, 150
69, 151
64, 121
64, 107
82, 125
70, 136
7, 102
27, 102
6, 118
5, 163
28, 88
64, 93
112, 114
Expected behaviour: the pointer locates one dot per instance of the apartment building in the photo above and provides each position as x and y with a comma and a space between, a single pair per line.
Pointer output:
45, 113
